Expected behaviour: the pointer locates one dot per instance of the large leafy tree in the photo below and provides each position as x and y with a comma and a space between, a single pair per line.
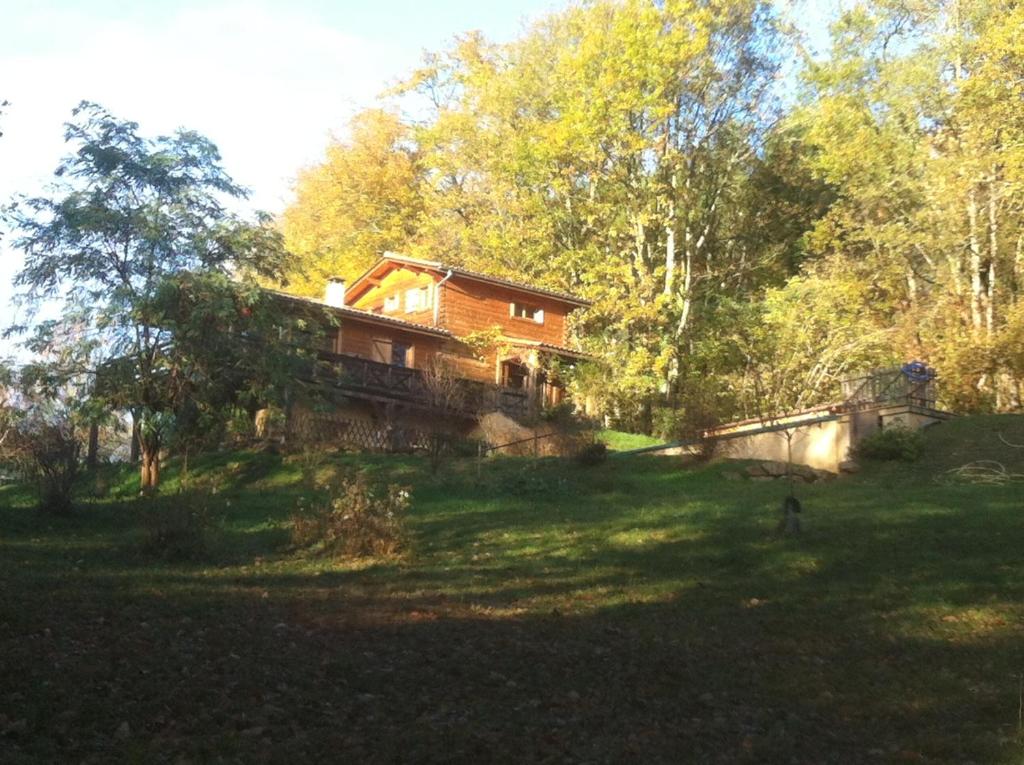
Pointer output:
609, 149
362, 200
619, 148
915, 119
152, 272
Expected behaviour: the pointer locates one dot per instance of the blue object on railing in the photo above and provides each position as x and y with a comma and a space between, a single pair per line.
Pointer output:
918, 371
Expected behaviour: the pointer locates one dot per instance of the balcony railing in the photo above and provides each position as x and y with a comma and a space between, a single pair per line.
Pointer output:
358, 375
889, 386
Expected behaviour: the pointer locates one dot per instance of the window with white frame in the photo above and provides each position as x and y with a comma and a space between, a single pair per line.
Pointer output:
528, 312
392, 303
417, 299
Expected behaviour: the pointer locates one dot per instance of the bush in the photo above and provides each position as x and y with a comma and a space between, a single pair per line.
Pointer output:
592, 454
688, 422
352, 517
896, 443
466, 447
178, 528
46, 453
560, 414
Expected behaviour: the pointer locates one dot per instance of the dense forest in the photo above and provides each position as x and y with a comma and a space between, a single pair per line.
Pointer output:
752, 222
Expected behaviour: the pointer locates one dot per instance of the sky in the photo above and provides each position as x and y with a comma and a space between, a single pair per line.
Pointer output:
269, 81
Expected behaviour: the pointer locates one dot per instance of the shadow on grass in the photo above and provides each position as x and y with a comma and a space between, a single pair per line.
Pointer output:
657, 621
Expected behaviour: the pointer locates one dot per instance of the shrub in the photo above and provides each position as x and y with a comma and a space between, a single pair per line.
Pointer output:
178, 528
349, 515
560, 414
688, 422
466, 447
592, 454
896, 443
46, 452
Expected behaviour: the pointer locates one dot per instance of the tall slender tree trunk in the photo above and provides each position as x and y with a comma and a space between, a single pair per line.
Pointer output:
1018, 266
93, 448
993, 255
684, 316
670, 254
977, 280
134, 446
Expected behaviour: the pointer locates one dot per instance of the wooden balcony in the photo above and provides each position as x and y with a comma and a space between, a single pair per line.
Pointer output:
360, 377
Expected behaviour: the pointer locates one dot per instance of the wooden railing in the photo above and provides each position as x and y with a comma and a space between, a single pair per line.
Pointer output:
889, 386
403, 384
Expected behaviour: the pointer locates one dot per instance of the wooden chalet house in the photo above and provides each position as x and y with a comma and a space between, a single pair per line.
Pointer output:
385, 332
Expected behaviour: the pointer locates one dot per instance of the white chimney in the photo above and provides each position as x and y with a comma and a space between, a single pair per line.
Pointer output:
334, 293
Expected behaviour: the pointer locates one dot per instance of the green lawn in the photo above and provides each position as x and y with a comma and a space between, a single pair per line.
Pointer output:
618, 441
632, 612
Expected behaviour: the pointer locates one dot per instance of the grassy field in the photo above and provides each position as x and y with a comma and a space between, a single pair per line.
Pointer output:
617, 441
631, 612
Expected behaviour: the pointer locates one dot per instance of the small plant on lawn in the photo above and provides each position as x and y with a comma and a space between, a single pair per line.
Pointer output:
348, 514
178, 527
894, 444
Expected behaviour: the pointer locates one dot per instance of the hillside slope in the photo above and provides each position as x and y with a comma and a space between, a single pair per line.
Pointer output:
962, 440
546, 612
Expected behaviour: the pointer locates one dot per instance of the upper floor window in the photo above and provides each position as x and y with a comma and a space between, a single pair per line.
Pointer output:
391, 303
524, 311
417, 299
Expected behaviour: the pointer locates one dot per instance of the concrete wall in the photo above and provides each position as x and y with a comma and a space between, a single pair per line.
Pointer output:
821, 445
826, 439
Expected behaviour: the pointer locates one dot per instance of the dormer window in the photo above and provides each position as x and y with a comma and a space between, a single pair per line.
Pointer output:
417, 299
528, 312
391, 303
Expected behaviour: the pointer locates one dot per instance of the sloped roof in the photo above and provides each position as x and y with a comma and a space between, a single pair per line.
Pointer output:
361, 315
442, 268
524, 343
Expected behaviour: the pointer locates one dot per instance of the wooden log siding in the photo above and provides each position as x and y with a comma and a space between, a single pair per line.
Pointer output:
357, 339
470, 306
373, 379
464, 306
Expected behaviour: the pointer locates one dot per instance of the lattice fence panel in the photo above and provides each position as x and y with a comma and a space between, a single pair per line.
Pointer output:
361, 435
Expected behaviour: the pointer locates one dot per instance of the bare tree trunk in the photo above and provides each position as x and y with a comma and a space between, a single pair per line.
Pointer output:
133, 447
912, 286
183, 482
670, 254
684, 316
993, 254
149, 469
977, 283
92, 451
1018, 266
149, 466
641, 238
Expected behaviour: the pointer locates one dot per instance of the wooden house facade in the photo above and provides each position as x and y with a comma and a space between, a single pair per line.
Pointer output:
388, 332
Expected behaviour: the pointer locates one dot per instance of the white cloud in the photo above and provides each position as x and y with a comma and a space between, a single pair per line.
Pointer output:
266, 86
